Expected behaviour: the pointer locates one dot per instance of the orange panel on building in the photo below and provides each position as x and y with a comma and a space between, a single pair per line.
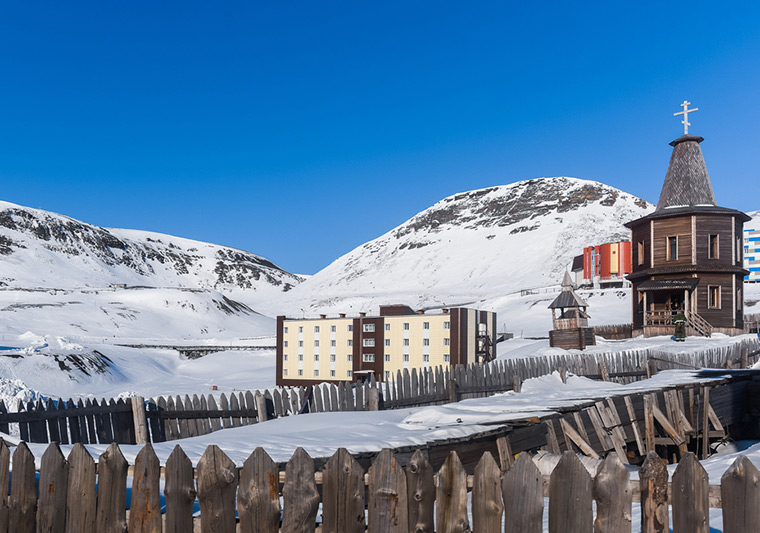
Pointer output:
608, 261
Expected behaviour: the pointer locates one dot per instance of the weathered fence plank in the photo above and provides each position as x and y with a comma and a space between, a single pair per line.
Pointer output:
342, 494
653, 481
740, 495
388, 505
613, 497
570, 509
5, 459
259, 494
217, 484
487, 507
54, 477
112, 491
451, 496
420, 493
80, 496
145, 503
299, 495
523, 493
179, 492
23, 500
691, 505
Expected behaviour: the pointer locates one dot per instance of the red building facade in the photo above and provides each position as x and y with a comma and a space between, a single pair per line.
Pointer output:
609, 263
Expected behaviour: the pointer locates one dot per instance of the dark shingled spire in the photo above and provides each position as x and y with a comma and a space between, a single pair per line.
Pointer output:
687, 182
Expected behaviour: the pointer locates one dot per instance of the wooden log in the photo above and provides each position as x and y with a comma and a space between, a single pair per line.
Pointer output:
217, 484
81, 499
740, 494
523, 493
54, 476
179, 492
145, 503
388, 505
258, 497
690, 492
23, 499
570, 497
420, 493
613, 496
506, 457
487, 507
653, 482
299, 495
342, 495
577, 439
139, 419
5, 459
112, 491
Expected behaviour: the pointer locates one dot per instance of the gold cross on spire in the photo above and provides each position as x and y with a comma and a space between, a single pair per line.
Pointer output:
685, 114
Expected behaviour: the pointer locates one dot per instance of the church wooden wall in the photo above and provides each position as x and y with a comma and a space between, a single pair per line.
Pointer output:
672, 227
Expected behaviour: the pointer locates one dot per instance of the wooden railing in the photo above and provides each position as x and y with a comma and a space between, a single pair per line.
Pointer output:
699, 324
386, 498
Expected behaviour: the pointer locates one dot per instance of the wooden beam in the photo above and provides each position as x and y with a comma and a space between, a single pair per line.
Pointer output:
577, 439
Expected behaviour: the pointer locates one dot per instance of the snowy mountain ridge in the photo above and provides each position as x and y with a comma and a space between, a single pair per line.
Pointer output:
474, 247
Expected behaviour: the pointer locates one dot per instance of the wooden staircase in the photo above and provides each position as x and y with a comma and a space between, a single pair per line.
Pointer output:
698, 325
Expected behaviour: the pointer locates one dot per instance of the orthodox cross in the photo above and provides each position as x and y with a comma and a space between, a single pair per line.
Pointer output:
685, 114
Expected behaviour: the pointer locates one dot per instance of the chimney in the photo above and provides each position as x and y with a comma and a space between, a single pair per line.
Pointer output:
322, 316
362, 315
342, 315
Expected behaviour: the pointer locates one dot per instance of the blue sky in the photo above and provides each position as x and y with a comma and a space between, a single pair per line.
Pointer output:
299, 130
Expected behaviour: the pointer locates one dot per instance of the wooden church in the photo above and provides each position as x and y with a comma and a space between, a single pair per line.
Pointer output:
570, 327
687, 254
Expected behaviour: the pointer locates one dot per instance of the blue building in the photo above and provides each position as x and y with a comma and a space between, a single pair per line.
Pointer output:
752, 254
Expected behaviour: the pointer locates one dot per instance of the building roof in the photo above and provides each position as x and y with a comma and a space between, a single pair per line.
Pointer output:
577, 263
686, 182
668, 284
567, 298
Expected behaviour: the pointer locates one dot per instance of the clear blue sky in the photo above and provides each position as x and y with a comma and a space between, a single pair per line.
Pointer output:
299, 130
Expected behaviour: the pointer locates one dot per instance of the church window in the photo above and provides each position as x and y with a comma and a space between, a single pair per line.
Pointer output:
713, 296
672, 248
640, 255
712, 251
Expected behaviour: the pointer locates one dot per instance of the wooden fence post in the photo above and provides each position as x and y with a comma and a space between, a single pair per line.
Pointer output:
299, 495
54, 478
420, 493
516, 386
5, 459
145, 503
373, 399
522, 489
112, 491
217, 484
691, 505
451, 496
388, 505
570, 499
140, 420
740, 492
342, 494
487, 507
258, 496
81, 501
653, 481
23, 500
179, 492
613, 497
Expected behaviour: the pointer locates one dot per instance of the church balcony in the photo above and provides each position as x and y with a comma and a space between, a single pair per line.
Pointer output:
570, 323
659, 318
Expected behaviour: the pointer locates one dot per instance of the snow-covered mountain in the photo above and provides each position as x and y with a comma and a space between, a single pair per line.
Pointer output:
43, 249
472, 247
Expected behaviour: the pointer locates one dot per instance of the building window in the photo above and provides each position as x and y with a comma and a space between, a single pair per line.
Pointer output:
284, 371
368, 357
712, 249
425, 358
387, 342
350, 342
332, 329
332, 373
368, 342
350, 327
447, 342
446, 358
739, 299
332, 357
387, 358
300, 357
672, 248
316, 342
332, 343
406, 342
713, 296
349, 373
300, 371
640, 255
284, 357
284, 344
426, 342
300, 344
447, 325
316, 372
285, 329
387, 327
316, 357
368, 328
300, 329
426, 325
406, 326
349, 358
406, 357
316, 329
387, 375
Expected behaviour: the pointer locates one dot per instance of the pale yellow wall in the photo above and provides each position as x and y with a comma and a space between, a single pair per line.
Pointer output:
416, 349
325, 348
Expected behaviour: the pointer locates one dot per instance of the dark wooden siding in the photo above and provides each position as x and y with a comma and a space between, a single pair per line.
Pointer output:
672, 227
714, 225
639, 234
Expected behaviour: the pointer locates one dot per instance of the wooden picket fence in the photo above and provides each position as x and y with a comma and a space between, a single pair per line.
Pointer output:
77, 496
135, 421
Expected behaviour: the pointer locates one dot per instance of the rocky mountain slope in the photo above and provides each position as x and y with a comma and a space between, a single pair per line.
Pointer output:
473, 247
